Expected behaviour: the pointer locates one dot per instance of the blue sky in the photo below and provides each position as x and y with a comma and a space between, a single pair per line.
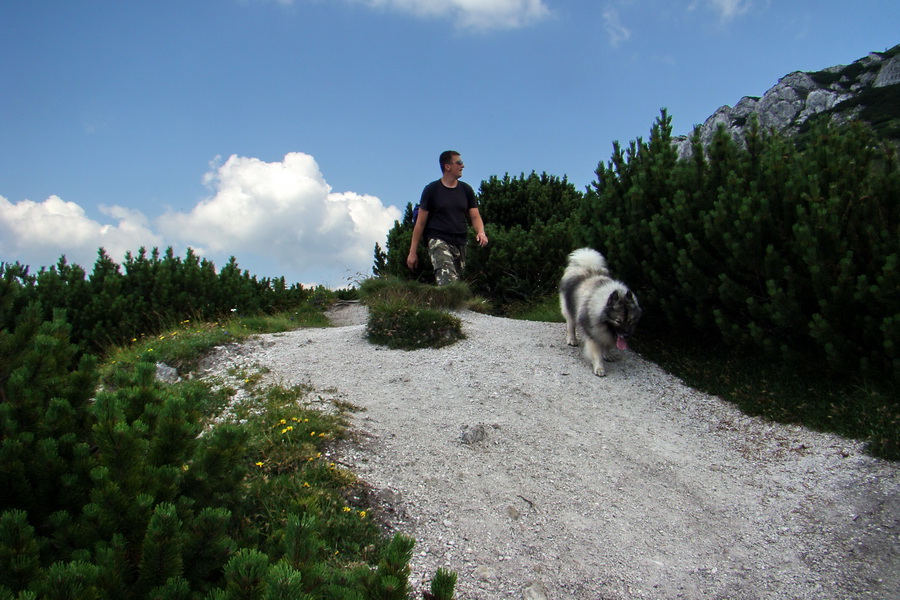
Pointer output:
292, 133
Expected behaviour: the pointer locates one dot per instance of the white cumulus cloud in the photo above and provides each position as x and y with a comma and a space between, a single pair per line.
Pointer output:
277, 218
284, 215
38, 233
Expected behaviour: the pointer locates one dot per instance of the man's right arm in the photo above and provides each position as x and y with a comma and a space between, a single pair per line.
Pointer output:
418, 229
412, 259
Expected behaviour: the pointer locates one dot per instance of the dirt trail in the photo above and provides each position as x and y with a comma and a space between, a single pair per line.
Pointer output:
515, 466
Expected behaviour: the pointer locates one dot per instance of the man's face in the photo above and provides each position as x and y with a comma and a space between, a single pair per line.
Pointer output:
456, 166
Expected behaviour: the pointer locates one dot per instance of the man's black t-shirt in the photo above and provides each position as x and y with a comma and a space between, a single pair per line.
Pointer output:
448, 211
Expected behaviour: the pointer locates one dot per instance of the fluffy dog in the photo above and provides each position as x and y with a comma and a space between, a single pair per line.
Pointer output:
604, 311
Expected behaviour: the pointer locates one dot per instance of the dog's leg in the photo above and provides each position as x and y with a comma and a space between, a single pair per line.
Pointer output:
571, 338
594, 351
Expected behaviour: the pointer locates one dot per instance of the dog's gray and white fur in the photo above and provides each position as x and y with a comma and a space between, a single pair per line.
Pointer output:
602, 310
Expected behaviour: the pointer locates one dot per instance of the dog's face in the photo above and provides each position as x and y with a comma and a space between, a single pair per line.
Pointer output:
622, 313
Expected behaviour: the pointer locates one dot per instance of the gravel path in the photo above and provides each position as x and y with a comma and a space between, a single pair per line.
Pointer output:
512, 464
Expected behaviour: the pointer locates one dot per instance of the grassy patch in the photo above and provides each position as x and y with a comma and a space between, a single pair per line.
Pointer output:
394, 290
182, 344
408, 315
291, 472
402, 326
546, 309
305, 315
799, 393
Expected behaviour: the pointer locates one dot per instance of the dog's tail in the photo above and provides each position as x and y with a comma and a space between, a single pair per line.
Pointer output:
588, 260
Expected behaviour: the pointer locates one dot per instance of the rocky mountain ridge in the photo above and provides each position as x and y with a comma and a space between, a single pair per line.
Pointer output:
867, 89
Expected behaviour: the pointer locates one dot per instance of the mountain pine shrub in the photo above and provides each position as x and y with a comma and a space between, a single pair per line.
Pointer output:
112, 492
147, 293
789, 247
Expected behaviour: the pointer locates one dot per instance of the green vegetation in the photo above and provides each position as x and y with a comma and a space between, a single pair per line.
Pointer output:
182, 344
775, 249
878, 106
110, 306
528, 220
408, 315
545, 309
400, 326
115, 485
443, 584
875, 106
376, 290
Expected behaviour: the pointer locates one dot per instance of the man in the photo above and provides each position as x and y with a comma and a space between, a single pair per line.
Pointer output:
444, 209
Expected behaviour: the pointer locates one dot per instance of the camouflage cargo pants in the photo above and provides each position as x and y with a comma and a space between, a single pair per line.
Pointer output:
448, 260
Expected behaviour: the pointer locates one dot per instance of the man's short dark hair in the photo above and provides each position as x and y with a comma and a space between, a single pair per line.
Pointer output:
447, 158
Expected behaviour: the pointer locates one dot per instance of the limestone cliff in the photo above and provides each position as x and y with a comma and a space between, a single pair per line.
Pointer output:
867, 89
